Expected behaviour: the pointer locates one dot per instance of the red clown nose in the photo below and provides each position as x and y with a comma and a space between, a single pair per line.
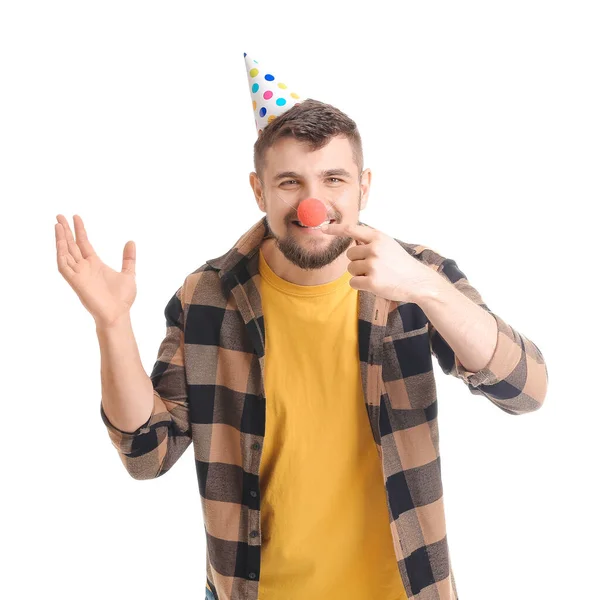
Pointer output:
312, 212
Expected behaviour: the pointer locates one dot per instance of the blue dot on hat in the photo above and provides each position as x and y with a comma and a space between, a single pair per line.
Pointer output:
255, 88
280, 101
269, 77
244, 54
263, 111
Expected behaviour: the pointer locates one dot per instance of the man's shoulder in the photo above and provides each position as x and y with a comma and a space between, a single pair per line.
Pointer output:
202, 286
426, 254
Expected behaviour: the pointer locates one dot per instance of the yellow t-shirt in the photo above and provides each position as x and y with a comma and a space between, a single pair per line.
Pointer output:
326, 531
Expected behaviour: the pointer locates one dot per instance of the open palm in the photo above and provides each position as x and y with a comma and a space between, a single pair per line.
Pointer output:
107, 294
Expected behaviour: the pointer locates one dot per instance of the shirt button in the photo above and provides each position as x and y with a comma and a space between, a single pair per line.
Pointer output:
252, 575
256, 446
253, 493
253, 533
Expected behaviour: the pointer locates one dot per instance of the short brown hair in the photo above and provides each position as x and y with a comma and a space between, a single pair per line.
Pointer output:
309, 121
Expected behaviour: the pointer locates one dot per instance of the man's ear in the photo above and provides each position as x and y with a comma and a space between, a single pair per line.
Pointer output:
365, 188
258, 192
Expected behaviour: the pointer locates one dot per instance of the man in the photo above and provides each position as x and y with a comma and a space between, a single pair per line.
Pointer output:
298, 365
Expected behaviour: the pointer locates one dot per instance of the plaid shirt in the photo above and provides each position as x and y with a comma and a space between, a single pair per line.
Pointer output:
209, 392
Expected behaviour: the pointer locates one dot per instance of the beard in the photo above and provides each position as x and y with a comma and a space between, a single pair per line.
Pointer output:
309, 255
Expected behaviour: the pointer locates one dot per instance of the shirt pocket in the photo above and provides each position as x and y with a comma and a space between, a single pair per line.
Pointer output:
407, 369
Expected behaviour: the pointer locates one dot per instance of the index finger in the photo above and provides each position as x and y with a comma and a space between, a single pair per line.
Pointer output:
361, 233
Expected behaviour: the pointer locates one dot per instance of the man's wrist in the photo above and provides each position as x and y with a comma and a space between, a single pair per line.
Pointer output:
430, 289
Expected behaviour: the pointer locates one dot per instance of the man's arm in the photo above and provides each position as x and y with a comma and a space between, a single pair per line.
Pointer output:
157, 405
476, 345
127, 393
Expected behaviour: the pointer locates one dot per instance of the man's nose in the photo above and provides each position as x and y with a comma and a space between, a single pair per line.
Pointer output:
317, 190
330, 208
311, 190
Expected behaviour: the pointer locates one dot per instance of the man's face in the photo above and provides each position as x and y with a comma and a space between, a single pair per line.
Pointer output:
293, 173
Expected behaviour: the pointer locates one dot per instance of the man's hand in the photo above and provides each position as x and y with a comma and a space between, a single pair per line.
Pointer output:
381, 265
105, 293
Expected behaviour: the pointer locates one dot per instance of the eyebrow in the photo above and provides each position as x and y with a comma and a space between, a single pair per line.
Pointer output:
327, 173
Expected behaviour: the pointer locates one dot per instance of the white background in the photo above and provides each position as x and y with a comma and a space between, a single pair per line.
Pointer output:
480, 123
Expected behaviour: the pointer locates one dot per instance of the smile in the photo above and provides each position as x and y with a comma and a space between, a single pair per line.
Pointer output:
297, 223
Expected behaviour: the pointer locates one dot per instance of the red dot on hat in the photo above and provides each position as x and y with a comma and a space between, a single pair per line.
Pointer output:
268, 94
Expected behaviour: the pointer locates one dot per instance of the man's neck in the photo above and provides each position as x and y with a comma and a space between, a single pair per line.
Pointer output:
287, 270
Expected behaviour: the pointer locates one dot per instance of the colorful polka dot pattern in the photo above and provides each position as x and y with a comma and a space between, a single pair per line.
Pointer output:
270, 97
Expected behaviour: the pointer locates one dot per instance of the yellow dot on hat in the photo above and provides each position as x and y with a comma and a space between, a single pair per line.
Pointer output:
253, 104
294, 95
272, 117
253, 72
282, 86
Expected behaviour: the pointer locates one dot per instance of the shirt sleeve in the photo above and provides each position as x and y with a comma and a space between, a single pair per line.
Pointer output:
515, 378
154, 447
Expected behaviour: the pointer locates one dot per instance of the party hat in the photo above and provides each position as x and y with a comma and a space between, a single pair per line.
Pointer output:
270, 94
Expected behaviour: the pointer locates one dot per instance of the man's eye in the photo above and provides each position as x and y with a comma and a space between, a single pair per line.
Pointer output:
296, 181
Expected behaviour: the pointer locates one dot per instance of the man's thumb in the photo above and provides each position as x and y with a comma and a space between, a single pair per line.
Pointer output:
129, 258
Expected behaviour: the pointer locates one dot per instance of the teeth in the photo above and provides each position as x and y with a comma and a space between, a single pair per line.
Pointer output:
317, 227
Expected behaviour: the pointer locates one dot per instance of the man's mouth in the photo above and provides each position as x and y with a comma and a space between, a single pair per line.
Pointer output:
298, 224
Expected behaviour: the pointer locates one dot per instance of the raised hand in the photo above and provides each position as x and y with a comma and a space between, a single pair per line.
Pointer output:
107, 294
382, 266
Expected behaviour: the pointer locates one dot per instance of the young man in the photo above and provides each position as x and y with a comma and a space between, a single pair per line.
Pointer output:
299, 366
